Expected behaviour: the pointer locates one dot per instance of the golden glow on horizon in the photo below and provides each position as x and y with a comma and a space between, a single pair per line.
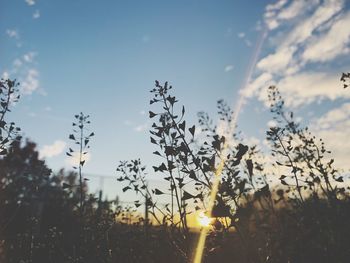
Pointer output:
203, 220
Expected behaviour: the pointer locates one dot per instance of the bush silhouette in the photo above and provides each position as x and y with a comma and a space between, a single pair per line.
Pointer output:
297, 215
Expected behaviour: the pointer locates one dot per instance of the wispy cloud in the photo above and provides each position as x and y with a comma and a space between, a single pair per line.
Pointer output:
36, 14
12, 33
320, 36
29, 57
24, 69
229, 68
333, 43
31, 82
30, 2
241, 35
246, 41
48, 151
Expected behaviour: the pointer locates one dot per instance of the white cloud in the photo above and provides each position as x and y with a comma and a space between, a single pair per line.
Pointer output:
5, 75
308, 87
263, 81
29, 57
304, 29
12, 33
333, 117
241, 35
332, 44
30, 82
298, 45
30, 2
229, 68
276, 6
48, 151
271, 123
277, 62
293, 10
272, 12
36, 14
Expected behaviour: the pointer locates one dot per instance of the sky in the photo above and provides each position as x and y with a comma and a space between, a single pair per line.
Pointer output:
102, 58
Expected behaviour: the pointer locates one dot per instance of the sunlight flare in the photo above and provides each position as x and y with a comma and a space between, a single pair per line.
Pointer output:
223, 156
203, 220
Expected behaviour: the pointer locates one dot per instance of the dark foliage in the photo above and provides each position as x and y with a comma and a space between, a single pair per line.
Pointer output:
299, 214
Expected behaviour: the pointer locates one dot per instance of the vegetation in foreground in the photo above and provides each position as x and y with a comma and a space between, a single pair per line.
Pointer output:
299, 214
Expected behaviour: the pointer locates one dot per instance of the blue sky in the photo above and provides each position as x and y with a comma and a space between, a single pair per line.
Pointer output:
102, 57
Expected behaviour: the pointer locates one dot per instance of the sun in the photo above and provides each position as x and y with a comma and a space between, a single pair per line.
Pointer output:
203, 220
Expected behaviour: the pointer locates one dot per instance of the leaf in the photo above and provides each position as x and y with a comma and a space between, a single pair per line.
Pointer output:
187, 196
250, 167
193, 175
126, 188
68, 154
157, 153
283, 182
71, 136
161, 168
152, 114
192, 130
242, 149
339, 179
92, 134
182, 125
169, 151
158, 192
153, 141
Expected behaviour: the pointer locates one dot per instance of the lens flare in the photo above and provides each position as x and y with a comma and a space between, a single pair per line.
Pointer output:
203, 234
203, 220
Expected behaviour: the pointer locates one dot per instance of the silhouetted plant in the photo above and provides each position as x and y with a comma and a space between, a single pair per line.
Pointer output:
8, 131
81, 136
345, 78
133, 173
180, 162
303, 152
